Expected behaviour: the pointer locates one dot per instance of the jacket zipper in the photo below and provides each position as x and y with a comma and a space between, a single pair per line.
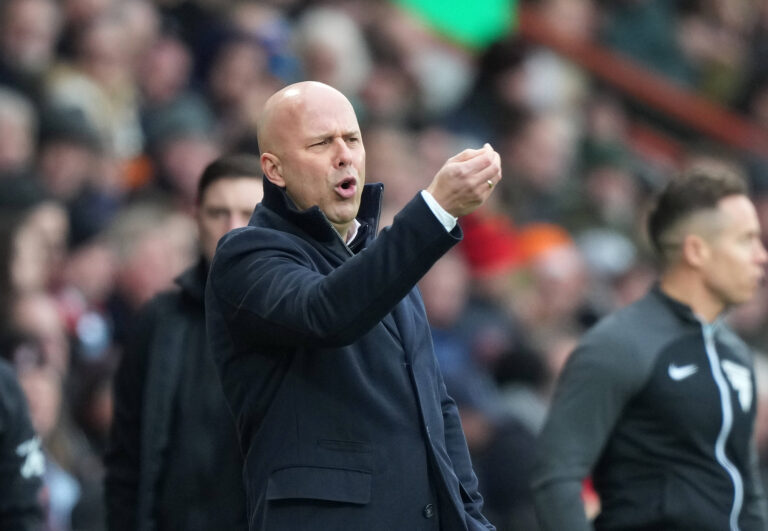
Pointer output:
725, 429
336, 232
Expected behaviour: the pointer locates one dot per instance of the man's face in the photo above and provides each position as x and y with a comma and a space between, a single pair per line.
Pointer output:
225, 205
735, 263
322, 158
29, 33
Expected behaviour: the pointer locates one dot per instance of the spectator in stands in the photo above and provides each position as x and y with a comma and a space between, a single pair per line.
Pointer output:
152, 244
18, 128
21, 462
100, 82
29, 30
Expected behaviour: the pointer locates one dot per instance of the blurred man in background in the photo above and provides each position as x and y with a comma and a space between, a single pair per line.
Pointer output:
658, 400
174, 460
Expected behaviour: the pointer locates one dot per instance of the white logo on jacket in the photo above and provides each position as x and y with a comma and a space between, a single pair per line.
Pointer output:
741, 382
34, 460
681, 372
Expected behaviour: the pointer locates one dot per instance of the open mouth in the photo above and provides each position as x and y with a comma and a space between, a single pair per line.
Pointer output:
346, 187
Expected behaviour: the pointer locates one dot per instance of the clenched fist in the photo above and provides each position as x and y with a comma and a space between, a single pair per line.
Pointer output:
466, 180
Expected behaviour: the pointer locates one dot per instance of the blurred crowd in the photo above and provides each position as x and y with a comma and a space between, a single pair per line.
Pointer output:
110, 109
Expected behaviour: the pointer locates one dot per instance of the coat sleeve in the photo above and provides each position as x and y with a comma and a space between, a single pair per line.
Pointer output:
123, 456
456, 446
21, 459
597, 381
264, 281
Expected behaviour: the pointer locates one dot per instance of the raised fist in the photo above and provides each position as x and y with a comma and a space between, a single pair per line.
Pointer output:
466, 180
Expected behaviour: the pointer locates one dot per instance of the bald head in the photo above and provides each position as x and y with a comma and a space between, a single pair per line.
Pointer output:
288, 106
311, 146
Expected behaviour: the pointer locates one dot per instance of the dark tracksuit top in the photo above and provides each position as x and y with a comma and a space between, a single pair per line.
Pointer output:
22, 463
660, 408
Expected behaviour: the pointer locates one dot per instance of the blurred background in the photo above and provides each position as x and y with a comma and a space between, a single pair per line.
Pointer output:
110, 109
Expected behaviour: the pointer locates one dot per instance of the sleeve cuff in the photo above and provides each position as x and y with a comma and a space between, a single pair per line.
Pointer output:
442, 215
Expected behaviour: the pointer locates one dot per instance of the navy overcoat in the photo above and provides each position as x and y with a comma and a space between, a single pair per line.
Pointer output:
326, 360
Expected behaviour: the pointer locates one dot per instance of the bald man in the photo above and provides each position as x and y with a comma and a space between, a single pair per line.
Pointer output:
321, 339
658, 400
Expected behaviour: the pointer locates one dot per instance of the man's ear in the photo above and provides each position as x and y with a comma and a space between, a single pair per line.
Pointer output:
273, 170
695, 250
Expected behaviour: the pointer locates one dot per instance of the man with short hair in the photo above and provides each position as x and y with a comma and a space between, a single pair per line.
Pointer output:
321, 339
174, 461
658, 399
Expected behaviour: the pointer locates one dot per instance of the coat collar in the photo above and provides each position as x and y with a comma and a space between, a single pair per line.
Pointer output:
682, 310
313, 221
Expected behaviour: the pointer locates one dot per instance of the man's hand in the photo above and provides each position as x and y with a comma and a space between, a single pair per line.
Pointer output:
466, 180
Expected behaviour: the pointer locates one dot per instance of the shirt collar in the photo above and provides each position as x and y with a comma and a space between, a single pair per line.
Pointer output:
353, 232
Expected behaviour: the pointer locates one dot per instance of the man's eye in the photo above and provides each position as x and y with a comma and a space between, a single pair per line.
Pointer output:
321, 143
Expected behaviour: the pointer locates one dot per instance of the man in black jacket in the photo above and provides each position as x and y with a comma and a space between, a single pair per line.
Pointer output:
321, 338
658, 400
174, 460
22, 462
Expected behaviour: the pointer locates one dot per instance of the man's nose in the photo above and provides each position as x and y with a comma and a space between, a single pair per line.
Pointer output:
343, 153
762, 254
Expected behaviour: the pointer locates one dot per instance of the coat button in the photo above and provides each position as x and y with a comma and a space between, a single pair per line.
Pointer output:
428, 511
